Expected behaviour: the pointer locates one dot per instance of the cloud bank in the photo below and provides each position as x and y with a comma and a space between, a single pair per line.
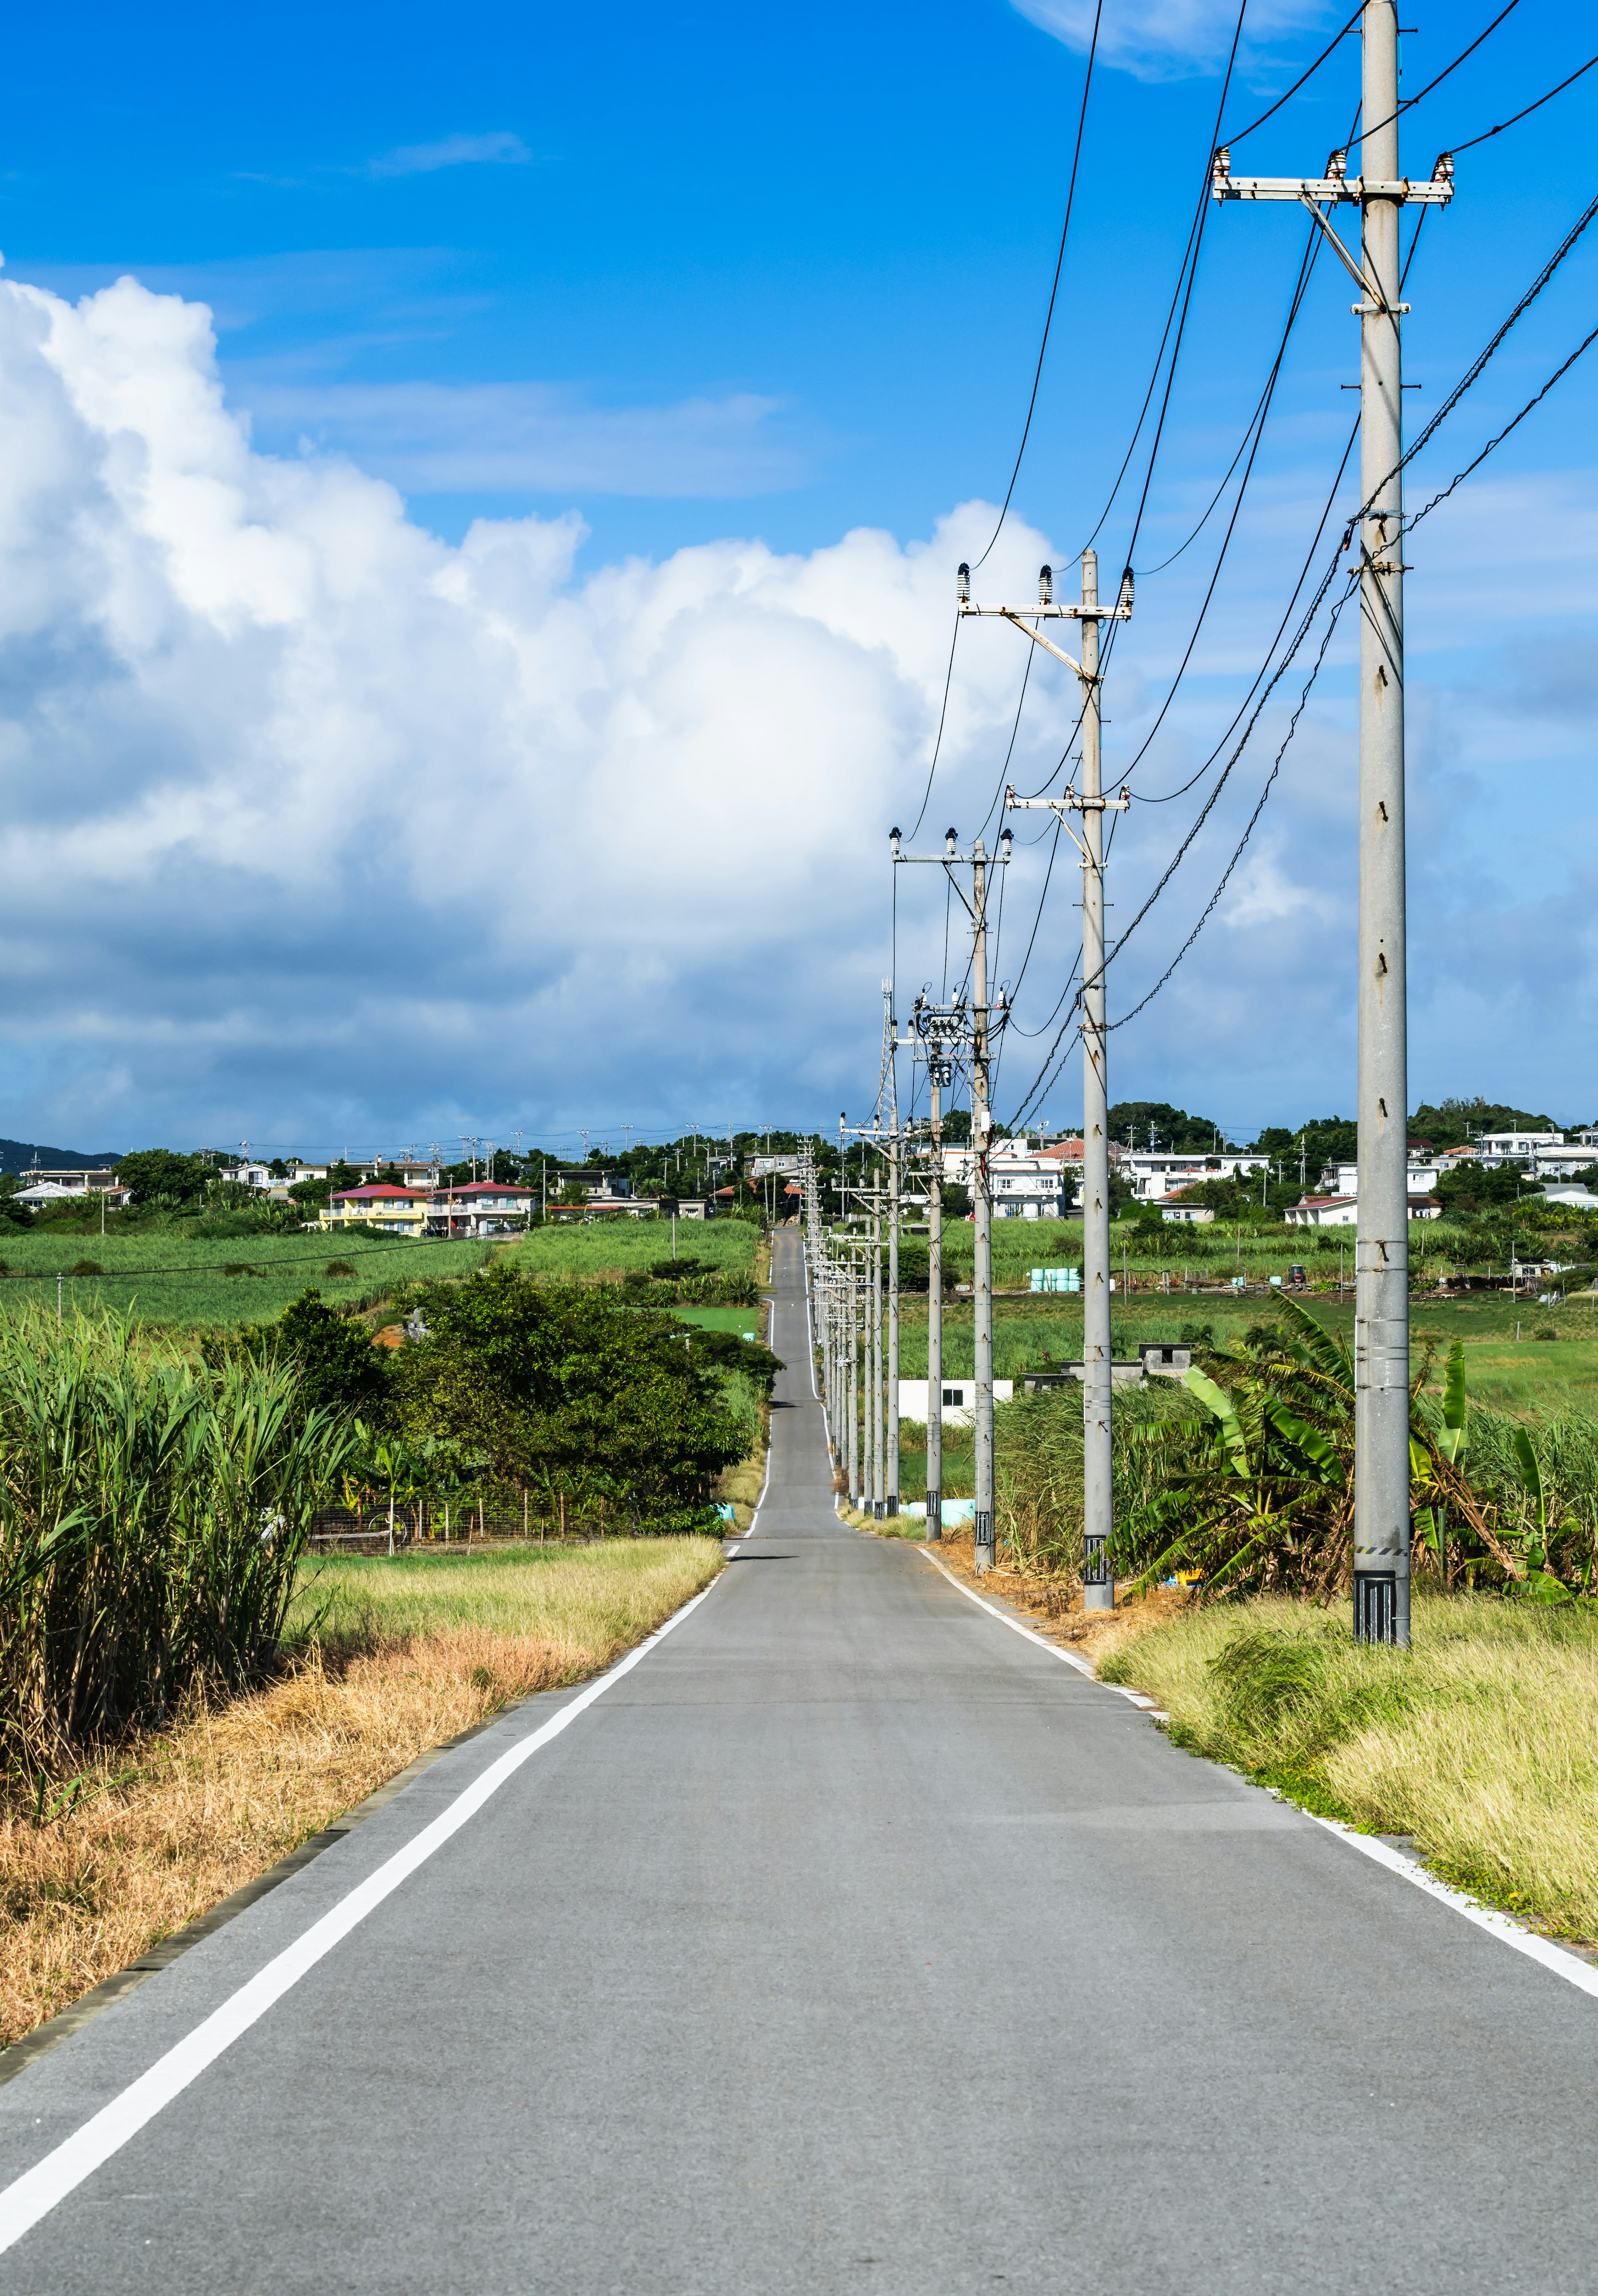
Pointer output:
313, 820
317, 829
1170, 39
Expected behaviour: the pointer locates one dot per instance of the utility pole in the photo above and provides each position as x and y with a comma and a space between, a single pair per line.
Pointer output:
937, 1028
892, 1496
1098, 1514
1381, 1519
983, 1026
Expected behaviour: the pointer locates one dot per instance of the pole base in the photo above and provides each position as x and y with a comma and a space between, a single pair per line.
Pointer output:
893, 1508
1376, 1607
1099, 1598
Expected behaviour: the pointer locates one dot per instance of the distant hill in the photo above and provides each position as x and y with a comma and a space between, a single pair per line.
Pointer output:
19, 1155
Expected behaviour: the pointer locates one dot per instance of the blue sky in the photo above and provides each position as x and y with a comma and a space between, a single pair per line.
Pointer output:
675, 289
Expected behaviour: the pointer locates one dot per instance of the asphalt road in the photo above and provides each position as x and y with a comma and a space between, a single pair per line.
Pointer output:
848, 1942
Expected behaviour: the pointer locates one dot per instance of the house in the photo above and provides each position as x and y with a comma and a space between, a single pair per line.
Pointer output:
1023, 1183
40, 1193
1323, 1211
1188, 1214
397, 1211
1158, 1172
592, 1184
1343, 1211
478, 1208
93, 1180
959, 1399
1421, 1175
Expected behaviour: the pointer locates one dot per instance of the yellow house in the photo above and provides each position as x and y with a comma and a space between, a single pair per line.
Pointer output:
401, 1212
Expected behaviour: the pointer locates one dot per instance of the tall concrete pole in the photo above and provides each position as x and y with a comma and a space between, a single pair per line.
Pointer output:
852, 1406
879, 1483
1098, 1516
935, 1305
981, 1123
892, 1498
1382, 1527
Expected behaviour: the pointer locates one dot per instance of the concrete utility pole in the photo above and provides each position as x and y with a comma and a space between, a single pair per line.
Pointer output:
891, 1495
1381, 1522
983, 1023
981, 1127
1098, 1514
937, 1028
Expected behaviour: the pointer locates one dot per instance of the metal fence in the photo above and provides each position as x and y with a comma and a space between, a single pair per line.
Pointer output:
483, 1523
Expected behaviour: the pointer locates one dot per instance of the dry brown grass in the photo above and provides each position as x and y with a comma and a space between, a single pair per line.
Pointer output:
1053, 1606
171, 1823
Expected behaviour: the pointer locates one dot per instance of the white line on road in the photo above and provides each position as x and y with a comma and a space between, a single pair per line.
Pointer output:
1508, 1931
35, 2194
1567, 1965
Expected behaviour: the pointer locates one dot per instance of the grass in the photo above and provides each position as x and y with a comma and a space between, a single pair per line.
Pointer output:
601, 1251
1479, 1742
594, 1600
180, 1281
157, 1831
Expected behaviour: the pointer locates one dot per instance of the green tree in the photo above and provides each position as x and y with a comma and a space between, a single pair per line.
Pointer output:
565, 1384
156, 1176
1469, 1189
339, 1369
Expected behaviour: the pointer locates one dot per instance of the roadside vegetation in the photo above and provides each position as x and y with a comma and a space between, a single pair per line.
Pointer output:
380, 1662
1478, 1744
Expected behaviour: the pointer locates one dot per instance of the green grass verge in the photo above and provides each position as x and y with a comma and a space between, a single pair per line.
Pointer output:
180, 1280
1479, 1742
600, 1596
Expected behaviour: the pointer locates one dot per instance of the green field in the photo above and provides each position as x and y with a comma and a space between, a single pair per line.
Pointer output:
166, 1276
597, 1250
1524, 1374
607, 1595
747, 1322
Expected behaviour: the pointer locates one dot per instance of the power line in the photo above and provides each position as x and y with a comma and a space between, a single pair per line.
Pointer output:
1054, 290
1420, 95
1585, 344
1328, 50
1514, 121
942, 715
1248, 832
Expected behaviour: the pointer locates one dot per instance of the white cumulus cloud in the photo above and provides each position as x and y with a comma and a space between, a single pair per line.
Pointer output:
500, 149
1170, 39
312, 819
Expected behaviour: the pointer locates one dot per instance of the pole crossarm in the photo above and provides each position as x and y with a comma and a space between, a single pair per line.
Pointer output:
1333, 185
1069, 803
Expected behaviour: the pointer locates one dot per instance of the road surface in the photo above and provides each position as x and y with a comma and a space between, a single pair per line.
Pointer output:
848, 1941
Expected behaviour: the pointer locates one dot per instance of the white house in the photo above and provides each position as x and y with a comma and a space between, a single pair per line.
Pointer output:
959, 1399
1343, 1211
56, 1191
1157, 1172
1187, 1215
1323, 1211
1025, 1183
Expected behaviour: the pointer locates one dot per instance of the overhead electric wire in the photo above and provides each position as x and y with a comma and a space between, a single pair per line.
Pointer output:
1474, 369
1292, 728
1055, 291
942, 716
1332, 45
1460, 476
1193, 275
1306, 269
1515, 120
1420, 94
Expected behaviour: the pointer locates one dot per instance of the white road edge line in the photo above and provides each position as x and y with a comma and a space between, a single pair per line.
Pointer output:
61, 2170
1575, 1971
765, 1478
1507, 1930
1067, 1658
